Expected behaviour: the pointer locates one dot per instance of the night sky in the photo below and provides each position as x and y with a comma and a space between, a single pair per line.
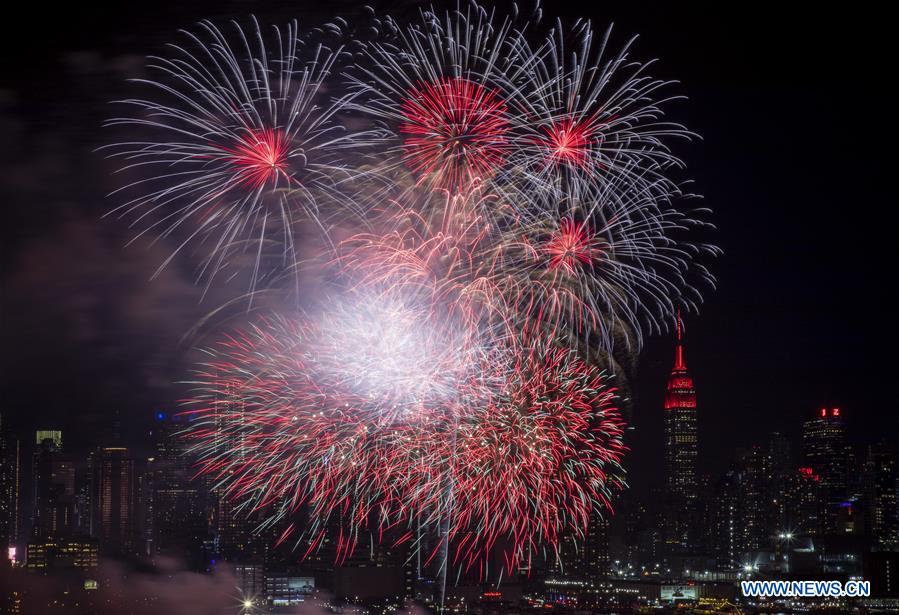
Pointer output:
799, 134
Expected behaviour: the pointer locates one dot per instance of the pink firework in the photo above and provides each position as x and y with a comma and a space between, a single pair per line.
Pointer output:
571, 246
443, 253
233, 147
260, 158
455, 131
568, 141
532, 461
328, 414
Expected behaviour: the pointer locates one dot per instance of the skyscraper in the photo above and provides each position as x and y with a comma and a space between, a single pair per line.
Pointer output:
880, 496
8, 492
178, 520
802, 503
680, 448
116, 499
824, 450
725, 534
53, 488
757, 499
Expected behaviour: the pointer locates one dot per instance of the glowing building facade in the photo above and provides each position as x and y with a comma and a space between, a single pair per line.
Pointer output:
680, 448
116, 501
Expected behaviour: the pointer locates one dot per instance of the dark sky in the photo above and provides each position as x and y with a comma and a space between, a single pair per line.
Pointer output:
799, 134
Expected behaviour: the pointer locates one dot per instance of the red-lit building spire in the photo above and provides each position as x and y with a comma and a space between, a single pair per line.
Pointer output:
679, 363
680, 393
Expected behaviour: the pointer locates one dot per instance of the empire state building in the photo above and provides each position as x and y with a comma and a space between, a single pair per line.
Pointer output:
680, 444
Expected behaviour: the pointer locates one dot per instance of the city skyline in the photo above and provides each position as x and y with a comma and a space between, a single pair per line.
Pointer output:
761, 513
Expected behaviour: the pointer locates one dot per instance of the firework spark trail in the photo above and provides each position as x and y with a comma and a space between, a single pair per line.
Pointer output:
530, 461
329, 411
590, 114
439, 88
443, 256
454, 132
600, 263
241, 144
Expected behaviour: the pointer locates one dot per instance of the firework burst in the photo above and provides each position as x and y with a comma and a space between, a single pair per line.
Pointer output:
239, 144
328, 412
538, 457
455, 132
439, 88
600, 263
513, 444
587, 113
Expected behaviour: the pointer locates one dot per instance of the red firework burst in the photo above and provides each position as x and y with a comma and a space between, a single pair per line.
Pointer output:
571, 246
259, 157
568, 141
456, 131
538, 458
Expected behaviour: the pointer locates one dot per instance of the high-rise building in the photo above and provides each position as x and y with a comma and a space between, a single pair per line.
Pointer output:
7, 481
757, 500
726, 532
251, 583
177, 517
62, 553
85, 500
234, 524
680, 449
144, 510
53, 488
803, 508
880, 496
13, 496
116, 499
596, 548
582, 557
824, 451
781, 459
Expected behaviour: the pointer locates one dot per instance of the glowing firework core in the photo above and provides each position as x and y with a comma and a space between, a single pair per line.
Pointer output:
259, 157
456, 131
573, 245
568, 141
386, 352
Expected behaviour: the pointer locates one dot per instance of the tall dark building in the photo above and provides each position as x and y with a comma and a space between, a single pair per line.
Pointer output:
880, 496
116, 500
782, 468
803, 507
233, 526
726, 535
53, 488
582, 557
177, 517
13, 494
596, 548
8, 490
680, 449
824, 451
757, 500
